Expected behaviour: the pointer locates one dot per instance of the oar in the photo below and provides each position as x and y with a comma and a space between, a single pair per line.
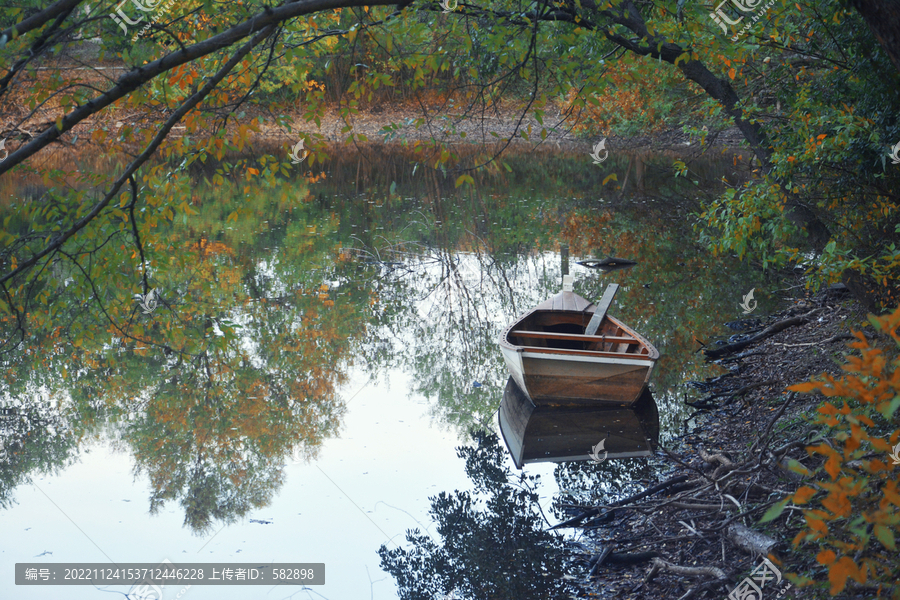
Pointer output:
602, 307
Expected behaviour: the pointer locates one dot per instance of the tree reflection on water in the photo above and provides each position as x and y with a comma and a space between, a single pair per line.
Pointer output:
270, 294
493, 543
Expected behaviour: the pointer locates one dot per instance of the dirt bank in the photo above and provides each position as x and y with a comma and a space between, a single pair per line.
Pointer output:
722, 472
409, 121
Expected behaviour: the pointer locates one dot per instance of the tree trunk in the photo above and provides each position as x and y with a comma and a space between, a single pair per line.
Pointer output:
883, 18
719, 88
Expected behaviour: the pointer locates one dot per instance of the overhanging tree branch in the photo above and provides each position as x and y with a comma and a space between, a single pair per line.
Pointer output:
135, 78
39, 19
57, 241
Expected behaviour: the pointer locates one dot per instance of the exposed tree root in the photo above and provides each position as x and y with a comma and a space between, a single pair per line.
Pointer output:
767, 332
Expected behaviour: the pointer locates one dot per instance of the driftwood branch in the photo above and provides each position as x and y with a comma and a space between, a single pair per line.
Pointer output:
630, 559
575, 521
834, 338
708, 404
599, 561
750, 541
767, 332
721, 459
659, 564
702, 587
743, 355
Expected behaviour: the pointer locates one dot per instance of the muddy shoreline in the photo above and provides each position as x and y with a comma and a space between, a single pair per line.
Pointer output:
717, 478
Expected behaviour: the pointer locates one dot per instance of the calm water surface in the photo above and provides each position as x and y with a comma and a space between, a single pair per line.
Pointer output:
357, 308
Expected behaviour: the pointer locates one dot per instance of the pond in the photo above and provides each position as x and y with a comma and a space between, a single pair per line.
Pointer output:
318, 349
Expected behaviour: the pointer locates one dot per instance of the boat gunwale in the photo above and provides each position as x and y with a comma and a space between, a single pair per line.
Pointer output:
644, 358
652, 352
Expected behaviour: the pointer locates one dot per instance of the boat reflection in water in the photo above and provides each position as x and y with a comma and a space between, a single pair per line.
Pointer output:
562, 433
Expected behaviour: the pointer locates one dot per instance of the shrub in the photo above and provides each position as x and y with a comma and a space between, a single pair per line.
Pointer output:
852, 498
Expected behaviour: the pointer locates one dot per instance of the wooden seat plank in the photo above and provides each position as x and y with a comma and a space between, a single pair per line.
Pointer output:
546, 335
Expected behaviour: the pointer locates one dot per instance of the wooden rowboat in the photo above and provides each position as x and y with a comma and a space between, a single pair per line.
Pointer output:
569, 433
555, 362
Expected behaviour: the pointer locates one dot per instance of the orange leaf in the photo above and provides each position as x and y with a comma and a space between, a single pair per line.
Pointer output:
826, 557
732, 73
833, 466
804, 388
890, 493
803, 495
839, 572
817, 525
838, 504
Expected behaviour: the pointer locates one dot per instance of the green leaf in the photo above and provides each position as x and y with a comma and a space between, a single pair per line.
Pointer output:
888, 410
774, 511
885, 536
875, 322
797, 467
464, 179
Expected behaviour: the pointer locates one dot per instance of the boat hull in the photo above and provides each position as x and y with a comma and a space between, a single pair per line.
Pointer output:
552, 380
555, 363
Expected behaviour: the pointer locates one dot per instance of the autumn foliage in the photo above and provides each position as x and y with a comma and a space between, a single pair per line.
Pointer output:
628, 106
851, 503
